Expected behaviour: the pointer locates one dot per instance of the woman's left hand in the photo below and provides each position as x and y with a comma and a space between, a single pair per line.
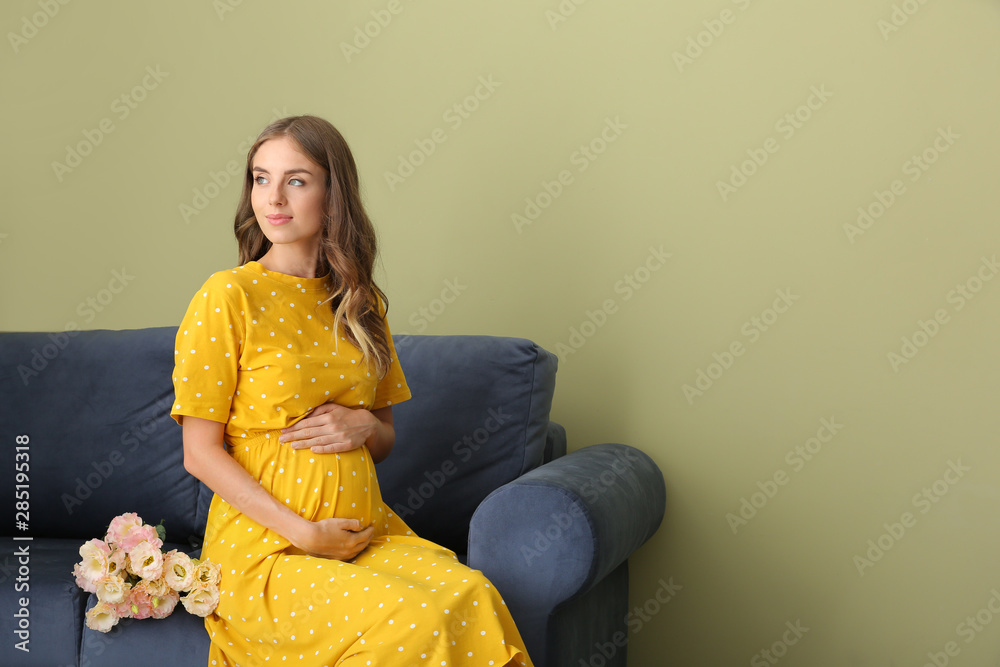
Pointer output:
331, 428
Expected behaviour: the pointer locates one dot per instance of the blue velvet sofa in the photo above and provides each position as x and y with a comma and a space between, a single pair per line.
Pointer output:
478, 467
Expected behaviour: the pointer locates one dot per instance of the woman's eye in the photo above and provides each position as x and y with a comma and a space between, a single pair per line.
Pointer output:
262, 180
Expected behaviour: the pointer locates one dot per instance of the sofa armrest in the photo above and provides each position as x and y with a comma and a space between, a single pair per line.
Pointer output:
554, 532
555, 442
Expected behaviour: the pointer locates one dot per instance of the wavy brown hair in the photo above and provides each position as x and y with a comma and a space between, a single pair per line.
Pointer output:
348, 245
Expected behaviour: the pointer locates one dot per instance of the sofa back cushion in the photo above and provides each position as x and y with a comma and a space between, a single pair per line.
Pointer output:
95, 407
477, 420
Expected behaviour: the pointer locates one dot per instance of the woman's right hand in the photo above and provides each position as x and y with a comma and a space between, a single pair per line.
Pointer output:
205, 457
341, 539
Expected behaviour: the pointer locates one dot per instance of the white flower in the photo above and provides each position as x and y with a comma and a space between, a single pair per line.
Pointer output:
112, 589
178, 570
208, 573
102, 617
94, 565
201, 601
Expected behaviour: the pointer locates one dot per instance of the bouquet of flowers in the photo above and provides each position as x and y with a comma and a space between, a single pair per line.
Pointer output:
133, 578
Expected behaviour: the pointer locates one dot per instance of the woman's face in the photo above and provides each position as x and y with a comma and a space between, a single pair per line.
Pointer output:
289, 194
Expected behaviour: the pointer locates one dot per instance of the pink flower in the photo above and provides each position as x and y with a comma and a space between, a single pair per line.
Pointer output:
164, 606
140, 604
124, 608
82, 581
178, 570
146, 561
138, 534
126, 571
102, 617
95, 560
201, 601
160, 598
120, 526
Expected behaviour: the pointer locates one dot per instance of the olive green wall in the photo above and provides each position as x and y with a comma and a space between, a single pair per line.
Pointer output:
762, 237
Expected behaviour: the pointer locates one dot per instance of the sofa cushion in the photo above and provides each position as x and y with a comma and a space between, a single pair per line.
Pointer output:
179, 639
55, 603
477, 420
56, 608
95, 406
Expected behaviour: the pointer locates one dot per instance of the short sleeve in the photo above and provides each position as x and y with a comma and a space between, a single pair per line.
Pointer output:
392, 388
207, 352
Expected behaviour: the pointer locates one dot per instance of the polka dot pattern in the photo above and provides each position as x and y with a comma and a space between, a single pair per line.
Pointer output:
403, 600
295, 358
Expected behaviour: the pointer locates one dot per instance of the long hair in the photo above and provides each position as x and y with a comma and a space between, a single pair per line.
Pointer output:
348, 245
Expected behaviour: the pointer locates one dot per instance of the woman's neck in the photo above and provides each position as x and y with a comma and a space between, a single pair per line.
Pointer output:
291, 264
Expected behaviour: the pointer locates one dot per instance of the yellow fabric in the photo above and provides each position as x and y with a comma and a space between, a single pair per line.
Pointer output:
255, 350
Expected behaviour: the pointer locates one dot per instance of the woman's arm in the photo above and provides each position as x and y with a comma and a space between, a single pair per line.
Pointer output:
333, 428
385, 434
205, 457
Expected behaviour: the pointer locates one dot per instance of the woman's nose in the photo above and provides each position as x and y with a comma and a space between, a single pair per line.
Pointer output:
277, 197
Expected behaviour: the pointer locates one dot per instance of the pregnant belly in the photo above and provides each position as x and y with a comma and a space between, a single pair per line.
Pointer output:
315, 486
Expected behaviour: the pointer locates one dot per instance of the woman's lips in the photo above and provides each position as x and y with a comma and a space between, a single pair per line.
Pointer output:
278, 219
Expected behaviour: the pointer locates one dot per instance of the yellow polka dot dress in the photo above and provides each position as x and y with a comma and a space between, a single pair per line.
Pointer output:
258, 350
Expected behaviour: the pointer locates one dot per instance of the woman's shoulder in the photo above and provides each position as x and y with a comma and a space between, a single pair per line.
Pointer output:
228, 289
236, 278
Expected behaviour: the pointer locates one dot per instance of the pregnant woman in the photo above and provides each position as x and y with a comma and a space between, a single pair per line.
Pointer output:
285, 376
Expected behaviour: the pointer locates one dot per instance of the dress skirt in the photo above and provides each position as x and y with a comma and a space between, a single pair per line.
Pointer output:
402, 601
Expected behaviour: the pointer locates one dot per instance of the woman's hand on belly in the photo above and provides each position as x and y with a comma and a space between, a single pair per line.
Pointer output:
341, 539
332, 428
